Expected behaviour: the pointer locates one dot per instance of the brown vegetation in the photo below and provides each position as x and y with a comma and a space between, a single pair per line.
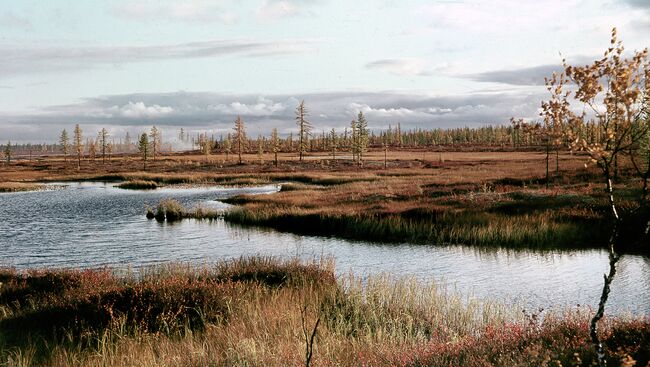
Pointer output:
253, 311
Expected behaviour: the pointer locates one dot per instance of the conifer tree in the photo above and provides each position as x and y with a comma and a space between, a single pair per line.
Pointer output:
143, 148
78, 144
102, 140
7, 152
155, 141
64, 140
275, 144
240, 137
304, 128
362, 135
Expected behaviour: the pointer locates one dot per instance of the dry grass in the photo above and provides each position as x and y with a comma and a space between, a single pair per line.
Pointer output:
252, 312
19, 186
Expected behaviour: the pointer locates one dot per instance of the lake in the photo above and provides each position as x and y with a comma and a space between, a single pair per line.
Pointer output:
95, 224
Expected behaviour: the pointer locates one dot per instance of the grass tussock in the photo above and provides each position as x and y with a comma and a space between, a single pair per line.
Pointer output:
252, 311
138, 185
171, 210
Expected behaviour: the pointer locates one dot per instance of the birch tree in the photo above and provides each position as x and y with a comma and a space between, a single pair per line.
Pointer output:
611, 92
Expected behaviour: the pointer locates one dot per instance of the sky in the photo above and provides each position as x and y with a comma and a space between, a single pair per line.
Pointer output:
197, 64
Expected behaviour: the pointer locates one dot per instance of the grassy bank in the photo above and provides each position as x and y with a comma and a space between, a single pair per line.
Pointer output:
256, 311
19, 186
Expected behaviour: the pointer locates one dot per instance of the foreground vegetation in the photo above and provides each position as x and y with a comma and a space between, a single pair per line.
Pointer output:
262, 312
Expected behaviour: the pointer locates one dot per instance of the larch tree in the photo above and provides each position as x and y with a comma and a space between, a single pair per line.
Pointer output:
362, 135
155, 141
7, 152
333, 140
102, 140
143, 148
92, 148
240, 137
64, 141
260, 149
354, 144
227, 146
304, 128
275, 145
613, 93
127, 143
206, 145
78, 144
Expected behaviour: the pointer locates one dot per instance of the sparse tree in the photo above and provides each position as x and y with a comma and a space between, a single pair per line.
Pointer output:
127, 143
64, 140
227, 145
240, 137
275, 145
92, 148
613, 94
155, 138
333, 143
304, 128
7, 153
362, 136
143, 148
354, 145
102, 140
78, 144
260, 149
206, 146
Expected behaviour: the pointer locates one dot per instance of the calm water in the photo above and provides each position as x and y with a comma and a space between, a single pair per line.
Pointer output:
96, 224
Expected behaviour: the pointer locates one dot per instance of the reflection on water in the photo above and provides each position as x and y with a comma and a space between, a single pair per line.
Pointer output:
96, 224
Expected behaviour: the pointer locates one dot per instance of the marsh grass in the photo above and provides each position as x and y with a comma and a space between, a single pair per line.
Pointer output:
537, 230
171, 210
138, 185
19, 186
250, 311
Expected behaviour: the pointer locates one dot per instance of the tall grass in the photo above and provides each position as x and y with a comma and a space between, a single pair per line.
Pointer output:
172, 210
252, 311
535, 230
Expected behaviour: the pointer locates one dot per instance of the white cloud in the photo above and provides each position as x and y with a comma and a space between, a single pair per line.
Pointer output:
139, 110
185, 11
48, 58
274, 9
263, 107
402, 67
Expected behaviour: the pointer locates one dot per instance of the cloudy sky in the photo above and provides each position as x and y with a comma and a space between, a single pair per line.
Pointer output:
127, 65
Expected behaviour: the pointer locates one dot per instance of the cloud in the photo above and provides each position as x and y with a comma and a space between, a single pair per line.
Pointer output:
526, 76
644, 4
215, 112
41, 59
191, 11
12, 20
403, 66
275, 9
